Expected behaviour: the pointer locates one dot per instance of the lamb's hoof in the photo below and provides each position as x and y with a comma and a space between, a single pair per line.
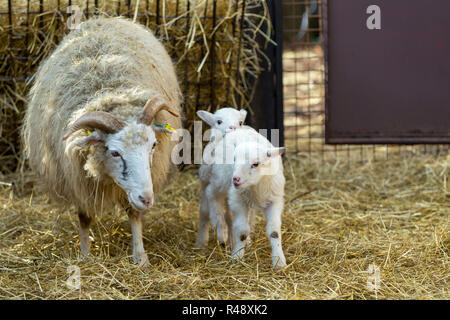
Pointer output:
222, 241
141, 260
237, 255
223, 244
278, 262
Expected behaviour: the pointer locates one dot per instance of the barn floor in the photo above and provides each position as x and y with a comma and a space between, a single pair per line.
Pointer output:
340, 219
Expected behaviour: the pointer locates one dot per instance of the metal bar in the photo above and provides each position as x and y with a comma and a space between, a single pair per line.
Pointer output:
212, 61
231, 56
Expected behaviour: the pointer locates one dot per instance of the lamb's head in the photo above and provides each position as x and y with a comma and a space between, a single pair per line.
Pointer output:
128, 148
252, 161
225, 120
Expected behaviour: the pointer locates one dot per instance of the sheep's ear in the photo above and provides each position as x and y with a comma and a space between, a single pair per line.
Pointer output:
92, 139
206, 116
243, 114
273, 152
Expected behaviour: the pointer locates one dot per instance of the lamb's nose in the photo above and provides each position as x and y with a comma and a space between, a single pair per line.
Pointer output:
146, 200
232, 128
236, 180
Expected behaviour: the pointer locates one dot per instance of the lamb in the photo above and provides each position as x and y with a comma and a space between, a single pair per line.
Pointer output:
223, 121
89, 128
253, 179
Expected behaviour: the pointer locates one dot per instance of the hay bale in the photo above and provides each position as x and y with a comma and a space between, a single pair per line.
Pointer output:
212, 43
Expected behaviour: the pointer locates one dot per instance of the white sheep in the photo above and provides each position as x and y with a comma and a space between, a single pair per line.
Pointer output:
88, 129
252, 179
223, 121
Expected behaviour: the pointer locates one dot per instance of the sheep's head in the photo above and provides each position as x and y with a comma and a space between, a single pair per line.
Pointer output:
253, 161
225, 120
128, 148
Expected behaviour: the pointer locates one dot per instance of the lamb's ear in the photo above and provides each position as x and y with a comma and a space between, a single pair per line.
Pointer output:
273, 152
243, 114
206, 116
93, 138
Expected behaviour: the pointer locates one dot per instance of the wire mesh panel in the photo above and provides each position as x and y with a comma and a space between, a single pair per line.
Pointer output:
304, 24
212, 44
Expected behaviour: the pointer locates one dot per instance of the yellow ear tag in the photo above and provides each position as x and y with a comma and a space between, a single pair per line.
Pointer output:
88, 132
166, 126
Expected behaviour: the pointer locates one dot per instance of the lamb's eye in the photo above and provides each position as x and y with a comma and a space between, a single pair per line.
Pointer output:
115, 154
240, 123
154, 145
219, 121
256, 164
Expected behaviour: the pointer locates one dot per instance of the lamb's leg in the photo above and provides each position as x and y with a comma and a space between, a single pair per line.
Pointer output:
273, 229
216, 202
139, 255
85, 222
241, 228
203, 225
229, 222
251, 223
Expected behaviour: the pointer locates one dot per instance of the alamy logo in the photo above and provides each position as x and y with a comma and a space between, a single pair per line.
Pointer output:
374, 279
73, 22
73, 282
374, 20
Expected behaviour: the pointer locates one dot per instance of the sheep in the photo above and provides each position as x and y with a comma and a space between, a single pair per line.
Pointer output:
253, 179
89, 130
222, 122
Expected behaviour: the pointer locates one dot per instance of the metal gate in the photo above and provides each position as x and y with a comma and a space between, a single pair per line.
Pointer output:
304, 90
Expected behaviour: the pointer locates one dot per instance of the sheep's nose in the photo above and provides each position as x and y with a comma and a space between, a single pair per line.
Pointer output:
232, 128
236, 181
147, 200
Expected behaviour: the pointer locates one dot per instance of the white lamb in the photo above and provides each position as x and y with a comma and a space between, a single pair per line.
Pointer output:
223, 121
252, 179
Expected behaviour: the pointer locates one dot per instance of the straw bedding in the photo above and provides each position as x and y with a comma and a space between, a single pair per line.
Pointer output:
339, 219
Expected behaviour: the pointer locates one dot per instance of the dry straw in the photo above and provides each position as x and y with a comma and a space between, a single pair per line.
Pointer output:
213, 43
339, 220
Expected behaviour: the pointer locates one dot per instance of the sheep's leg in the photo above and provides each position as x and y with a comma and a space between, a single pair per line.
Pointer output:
85, 222
273, 230
139, 255
203, 227
241, 228
215, 202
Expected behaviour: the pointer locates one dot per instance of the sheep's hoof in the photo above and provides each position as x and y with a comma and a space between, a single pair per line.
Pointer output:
278, 262
200, 244
85, 251
141, 260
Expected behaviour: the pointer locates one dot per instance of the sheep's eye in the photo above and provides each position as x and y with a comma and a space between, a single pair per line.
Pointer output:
115, 154
256, 164
219, 121
154, 145
240, 123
